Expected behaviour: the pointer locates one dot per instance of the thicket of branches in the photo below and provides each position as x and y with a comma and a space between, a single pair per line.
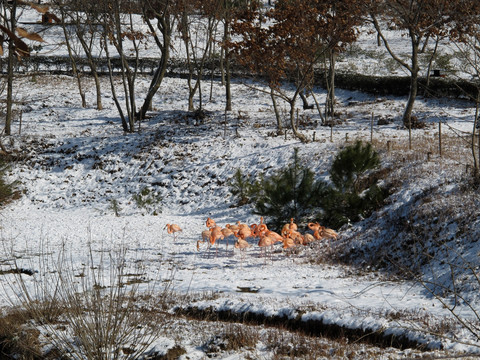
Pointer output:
280, 40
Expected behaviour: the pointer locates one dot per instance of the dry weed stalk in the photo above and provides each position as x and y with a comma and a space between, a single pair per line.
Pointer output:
93, 312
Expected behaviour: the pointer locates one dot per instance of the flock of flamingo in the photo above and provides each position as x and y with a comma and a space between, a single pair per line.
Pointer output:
290, 237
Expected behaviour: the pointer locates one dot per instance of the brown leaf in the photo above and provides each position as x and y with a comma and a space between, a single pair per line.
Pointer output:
29, 35
21, 49
40, 8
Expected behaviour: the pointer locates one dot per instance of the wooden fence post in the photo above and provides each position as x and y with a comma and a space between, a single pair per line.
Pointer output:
440, 138
371, 129
410, 134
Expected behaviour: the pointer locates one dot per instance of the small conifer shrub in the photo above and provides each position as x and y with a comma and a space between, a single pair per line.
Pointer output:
244, 187
290, 193
149, 200
350, 199
293, 192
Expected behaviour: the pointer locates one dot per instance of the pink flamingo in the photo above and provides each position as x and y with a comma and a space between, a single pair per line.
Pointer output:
215, 235
205, 237
227, 233
173, 229
210, 223
264, 242
242, 245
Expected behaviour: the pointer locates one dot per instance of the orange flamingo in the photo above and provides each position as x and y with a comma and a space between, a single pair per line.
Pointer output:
299, 239
264, 242
308, 238
242, 226
210, 223
285, 230
316, 228
274, 235
293, 226
289, 228
216, 234
227, 233
329, 233
205, 237
173, 229
244, 232
258, 229
234, 228
288, 243
242, 245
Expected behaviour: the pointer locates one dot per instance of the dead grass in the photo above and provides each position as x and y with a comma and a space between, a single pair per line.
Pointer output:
238, 337
18, 337
99, 310
425, 146
286, 345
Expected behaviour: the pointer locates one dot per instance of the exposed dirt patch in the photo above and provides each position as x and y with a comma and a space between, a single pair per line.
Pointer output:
308, 328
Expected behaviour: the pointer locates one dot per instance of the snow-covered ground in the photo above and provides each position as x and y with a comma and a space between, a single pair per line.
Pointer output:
79, 162
79, 170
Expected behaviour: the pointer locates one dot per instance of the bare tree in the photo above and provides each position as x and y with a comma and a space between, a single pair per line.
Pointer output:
85, 25
119, 25
17, 47
281, 44
466, 36
229, 10
338, 23
420, 20
71, 51
197, 25
158, 17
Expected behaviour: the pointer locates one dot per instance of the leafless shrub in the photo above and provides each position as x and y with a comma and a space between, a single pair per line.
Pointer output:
96, 312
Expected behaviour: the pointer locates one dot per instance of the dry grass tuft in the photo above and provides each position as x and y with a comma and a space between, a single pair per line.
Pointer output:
17, 337
286, 345
233, 337
238, 336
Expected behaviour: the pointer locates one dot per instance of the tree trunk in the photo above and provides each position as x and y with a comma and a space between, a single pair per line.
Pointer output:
277, 114
98, 90
166, 30
222, 67
474, 135
407, 115
93, 69
112, 85
317, 105
429, 67
331, 84
293, 124
228, 94
11, 64
185, 33
73, 61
